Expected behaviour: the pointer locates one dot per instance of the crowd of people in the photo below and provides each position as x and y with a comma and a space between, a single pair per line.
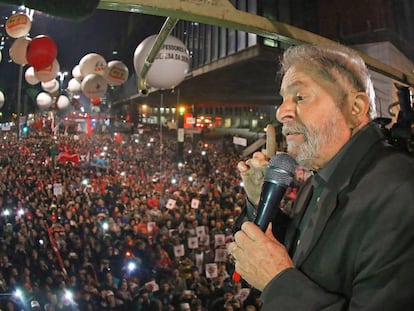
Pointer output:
124, 227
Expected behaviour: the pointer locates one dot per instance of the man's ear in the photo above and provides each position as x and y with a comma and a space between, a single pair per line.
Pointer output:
359, 110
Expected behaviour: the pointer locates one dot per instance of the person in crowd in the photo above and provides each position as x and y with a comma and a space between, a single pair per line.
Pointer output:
165, 294
348, 245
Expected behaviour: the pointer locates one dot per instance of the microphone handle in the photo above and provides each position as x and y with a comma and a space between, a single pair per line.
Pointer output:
269, 201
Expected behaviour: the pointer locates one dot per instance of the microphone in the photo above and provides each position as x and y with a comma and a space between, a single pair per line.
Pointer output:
279, 174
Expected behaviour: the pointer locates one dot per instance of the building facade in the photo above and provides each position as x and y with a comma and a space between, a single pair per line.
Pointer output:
247, 64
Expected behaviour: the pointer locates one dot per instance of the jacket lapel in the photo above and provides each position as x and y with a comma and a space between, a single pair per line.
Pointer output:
315, 226
303, 197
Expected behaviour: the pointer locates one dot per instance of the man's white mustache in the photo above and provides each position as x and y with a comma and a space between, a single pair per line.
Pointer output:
293, 128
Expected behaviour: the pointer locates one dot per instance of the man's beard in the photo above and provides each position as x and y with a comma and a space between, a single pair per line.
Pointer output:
315, 137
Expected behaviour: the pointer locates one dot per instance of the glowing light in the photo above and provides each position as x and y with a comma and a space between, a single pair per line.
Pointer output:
68, 295
131, 266
18, 293
105, 226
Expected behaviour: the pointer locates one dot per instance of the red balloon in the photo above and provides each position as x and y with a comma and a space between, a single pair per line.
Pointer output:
41, 52
96, 101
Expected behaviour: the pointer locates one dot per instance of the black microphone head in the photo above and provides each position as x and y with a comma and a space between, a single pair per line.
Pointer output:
281, 169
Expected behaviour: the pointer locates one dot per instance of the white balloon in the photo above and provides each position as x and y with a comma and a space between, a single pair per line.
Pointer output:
63, 102
18, 25
30, 76
1, 99
92, 63
48, 73
18, 50
117, 73
169, 67
94, 85
44, 100
1, 56
74, 85
76, 73
50, 86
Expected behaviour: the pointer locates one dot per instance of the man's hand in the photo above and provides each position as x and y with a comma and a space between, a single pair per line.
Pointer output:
252, 170
259, 256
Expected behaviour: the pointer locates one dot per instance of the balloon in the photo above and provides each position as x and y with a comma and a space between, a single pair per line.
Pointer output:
74, 85
18, 50
1, 56
63, 102
92, 63
30, 76
48, 73
1, 99
41, 52
94, 85
76, 73
44, 100
169, 67
18, 25
50, 86
95, 101
117, 73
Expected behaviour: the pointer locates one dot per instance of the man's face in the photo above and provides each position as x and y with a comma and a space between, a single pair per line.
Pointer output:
314, 126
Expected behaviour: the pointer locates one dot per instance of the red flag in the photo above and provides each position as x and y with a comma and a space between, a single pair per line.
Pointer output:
56, 250
67, 157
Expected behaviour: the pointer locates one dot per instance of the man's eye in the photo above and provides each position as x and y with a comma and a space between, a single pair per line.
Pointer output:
299, 98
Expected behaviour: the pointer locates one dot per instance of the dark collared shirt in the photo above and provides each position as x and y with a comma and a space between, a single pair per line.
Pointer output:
321, 180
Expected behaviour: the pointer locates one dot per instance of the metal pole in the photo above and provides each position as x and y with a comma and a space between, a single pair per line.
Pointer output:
159, 119
19, 99
180, 130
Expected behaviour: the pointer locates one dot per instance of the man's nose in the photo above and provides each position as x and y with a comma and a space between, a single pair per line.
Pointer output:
286, 111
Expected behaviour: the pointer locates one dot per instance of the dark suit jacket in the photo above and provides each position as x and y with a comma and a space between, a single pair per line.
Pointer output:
360, 253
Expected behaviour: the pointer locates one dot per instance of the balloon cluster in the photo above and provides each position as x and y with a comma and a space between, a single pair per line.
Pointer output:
39, 53
91, 76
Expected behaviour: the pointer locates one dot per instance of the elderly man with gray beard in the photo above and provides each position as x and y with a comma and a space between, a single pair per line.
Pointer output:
349, 244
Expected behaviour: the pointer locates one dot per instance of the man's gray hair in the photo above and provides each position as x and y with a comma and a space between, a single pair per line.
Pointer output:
331, 60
